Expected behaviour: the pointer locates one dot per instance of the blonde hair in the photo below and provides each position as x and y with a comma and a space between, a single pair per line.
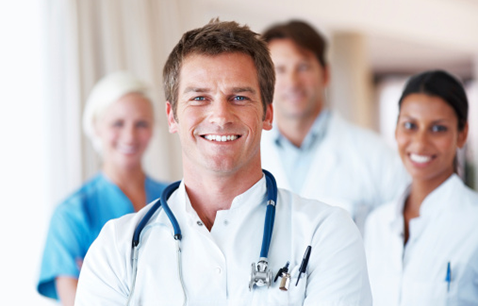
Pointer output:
107, 91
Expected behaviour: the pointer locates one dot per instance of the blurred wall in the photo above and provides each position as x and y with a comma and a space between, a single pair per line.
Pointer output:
381, 38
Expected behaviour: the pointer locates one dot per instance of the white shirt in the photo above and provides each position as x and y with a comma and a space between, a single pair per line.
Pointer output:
446, 231
216, 265
296, 161
351, 168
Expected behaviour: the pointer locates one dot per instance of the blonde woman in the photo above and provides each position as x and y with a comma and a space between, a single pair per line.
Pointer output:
119, 120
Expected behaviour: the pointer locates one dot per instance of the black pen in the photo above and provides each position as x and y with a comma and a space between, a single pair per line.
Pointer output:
305, 262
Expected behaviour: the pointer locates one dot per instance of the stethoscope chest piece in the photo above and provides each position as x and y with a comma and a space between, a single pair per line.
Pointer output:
261, 275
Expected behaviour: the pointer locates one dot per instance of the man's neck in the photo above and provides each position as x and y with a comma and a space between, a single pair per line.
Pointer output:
295, 129
210, 192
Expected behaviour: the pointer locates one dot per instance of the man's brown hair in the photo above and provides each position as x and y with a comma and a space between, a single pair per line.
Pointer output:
302, 34
213, 39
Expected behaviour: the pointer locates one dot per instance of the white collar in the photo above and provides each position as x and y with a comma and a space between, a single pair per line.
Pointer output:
433, 203
397, 219
316, 132
256, 195
441, 197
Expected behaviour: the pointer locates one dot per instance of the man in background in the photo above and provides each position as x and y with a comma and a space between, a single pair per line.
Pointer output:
311, 149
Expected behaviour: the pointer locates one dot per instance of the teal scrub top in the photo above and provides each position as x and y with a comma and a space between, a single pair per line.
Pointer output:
76, 223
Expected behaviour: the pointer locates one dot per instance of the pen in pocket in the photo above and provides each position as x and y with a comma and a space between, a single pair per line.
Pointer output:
448, 276
305, 262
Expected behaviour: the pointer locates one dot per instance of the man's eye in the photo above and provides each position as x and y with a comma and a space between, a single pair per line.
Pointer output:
239, 98
142, 124
280, 70
199, 98
303, 67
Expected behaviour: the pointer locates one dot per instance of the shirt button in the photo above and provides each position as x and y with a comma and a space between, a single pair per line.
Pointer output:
218, 270
199, 223
226, 222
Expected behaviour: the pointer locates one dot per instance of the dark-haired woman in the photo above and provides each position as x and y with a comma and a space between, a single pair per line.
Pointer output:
423, 249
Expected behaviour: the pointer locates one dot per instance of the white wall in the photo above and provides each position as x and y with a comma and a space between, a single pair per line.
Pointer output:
448, 23
25, 212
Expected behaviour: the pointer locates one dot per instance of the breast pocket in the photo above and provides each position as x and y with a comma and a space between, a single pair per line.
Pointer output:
425, 293
293, 296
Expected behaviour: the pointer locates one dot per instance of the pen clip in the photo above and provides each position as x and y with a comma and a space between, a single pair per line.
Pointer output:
448, 276
281, 271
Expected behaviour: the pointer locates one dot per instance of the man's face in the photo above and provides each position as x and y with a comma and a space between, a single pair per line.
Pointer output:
219, 113
300, 80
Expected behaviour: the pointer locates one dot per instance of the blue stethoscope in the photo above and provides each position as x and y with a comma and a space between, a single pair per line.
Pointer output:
261, 275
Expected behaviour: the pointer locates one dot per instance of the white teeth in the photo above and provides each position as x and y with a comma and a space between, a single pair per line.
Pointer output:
420, 158
221, 138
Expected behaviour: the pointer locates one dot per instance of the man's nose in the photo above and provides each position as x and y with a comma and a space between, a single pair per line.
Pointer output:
222, 112
291, 78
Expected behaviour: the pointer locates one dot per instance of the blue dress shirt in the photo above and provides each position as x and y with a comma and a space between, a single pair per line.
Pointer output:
297, 160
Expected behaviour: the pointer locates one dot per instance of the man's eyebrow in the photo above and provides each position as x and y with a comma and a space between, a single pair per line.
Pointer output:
205, 90
243, 89
196, 89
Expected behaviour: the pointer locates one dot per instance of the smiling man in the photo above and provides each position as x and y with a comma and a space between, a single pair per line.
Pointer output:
224, 232
312, 150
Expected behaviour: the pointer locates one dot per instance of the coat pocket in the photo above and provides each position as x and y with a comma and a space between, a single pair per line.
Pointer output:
425, 293
294, 295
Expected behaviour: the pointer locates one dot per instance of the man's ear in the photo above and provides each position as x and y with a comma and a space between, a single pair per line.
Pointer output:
173, 125
267, 124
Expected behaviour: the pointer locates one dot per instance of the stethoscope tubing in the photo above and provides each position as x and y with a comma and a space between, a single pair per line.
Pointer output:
270, 213
162, 202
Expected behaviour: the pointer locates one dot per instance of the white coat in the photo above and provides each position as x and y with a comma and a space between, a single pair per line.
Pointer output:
216, 265
353, 168
446, 231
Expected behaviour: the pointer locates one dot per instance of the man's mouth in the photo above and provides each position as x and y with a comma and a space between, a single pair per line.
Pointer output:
221, 138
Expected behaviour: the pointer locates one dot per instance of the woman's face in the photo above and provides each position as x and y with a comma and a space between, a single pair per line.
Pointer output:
125, 129
427, 136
